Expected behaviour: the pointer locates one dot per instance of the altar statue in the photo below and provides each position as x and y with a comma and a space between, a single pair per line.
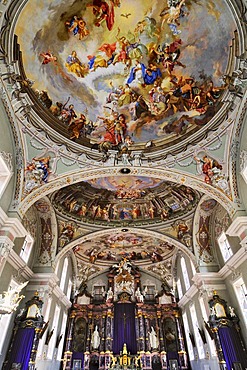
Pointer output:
95, 340
232, 311
139, 296
153, 339
109, 294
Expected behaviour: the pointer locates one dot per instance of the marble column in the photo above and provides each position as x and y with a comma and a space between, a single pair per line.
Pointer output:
147, 330
89, 331
109, 329
141, 331
180, 341
102, 333
161, 337
137, 330
33, 355
67, 357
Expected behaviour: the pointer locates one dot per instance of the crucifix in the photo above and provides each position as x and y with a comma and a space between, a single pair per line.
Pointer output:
125, 317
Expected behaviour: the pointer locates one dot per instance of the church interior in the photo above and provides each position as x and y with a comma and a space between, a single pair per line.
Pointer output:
123, 183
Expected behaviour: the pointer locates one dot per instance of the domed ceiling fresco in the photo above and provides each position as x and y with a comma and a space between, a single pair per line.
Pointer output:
126, 74
125, 199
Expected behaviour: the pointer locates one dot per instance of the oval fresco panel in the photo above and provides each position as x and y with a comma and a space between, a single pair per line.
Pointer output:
134, 246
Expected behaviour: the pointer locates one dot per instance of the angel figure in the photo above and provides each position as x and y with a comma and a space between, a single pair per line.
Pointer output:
103, 11
171, 15
43, 165
48, 57
77, 25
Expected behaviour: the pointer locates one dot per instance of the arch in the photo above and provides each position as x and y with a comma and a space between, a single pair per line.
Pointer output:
178, 245
175, 176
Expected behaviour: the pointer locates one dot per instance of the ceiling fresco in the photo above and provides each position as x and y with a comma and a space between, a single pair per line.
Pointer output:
126, 186
114, 247
125, 199
135, 87
116, 77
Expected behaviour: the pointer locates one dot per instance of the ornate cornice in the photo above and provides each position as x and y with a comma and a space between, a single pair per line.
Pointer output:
202, 282
11, 227
8, 158
22, 269
238, 227
49, 283
233, 263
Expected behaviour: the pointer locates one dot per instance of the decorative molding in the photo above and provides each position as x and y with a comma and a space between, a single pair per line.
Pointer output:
206, 282
233, 263
7, 157
106, 232
243, 160
49, 283
12, 227
206, 279
176, 176
187, 297
6, 246
22, 268
238, 227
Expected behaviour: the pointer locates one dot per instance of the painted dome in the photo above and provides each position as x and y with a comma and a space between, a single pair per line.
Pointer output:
110, 77
125, 200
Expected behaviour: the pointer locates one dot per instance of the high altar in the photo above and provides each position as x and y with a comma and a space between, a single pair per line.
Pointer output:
125, 327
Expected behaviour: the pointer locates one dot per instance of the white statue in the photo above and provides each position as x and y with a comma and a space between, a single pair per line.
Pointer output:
138, 295
145, 291
232, 311
103, 292
153, 339
213, 312
109, 295
95, 340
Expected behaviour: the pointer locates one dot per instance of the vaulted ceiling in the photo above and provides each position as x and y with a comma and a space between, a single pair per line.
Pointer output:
124, 113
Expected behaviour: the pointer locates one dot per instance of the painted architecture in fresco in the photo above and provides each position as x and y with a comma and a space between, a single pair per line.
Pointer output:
126, 199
